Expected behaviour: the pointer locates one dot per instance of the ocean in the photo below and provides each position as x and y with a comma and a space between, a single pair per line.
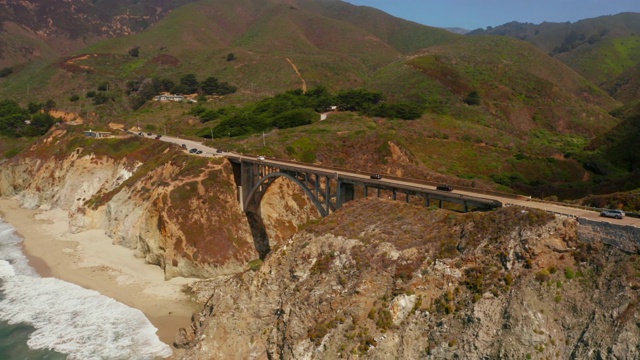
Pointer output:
47, 318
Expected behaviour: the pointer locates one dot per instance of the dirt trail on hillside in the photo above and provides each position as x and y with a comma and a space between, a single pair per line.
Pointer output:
295, 68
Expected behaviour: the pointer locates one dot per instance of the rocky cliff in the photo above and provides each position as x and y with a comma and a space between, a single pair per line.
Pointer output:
377, 279
174, 210
387, 280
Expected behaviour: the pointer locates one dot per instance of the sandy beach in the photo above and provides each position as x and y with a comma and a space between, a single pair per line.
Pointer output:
89, 259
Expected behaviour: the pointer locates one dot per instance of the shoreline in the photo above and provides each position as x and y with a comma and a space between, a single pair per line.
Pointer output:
89, 259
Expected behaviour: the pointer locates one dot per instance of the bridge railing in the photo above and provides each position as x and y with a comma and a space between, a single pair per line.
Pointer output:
465, 188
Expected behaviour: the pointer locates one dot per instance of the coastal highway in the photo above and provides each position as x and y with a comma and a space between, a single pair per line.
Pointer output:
525, 202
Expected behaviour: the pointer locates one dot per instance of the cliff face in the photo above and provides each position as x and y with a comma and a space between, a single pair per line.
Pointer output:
383, 280
176, 211
377, 279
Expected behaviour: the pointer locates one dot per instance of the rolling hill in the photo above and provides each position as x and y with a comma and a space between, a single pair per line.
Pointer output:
527, 123
601, 49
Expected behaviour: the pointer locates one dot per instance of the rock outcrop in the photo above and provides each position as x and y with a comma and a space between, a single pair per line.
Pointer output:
382, 280
176, 211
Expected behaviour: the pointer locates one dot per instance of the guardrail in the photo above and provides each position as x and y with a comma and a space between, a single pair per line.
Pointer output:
472, 189
463, 188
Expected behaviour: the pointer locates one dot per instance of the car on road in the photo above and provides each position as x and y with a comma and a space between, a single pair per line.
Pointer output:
376, 176
199, 152
184, 146
444, 188
158, 137
616, 214
150, 134
260, 158
193, 151
219, 151
141, 134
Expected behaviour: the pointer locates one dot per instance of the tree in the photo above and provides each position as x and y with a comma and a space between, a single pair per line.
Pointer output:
13, 121
49, 105
101, 98
293, 118
34, 107
404, 111
189, 84
210, 85
358, 100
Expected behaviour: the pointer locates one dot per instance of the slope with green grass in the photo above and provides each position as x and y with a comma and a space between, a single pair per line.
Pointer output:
600, 49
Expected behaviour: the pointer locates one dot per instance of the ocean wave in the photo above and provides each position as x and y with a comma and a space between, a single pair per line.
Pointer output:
68, 318
11, 251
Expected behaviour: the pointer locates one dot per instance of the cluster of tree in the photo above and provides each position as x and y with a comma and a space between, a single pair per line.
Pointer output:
575, 39
144, 89
16, 121
296, 108
98, 97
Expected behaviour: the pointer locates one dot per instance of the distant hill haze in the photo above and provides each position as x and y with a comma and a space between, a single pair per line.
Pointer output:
605, 50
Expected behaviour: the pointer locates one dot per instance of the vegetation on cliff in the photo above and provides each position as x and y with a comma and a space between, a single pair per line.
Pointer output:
510, 283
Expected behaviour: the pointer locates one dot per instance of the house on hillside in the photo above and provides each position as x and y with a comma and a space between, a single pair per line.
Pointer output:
98, 134
168, 97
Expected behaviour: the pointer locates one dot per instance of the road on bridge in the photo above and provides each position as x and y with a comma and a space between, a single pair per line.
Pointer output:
508, 201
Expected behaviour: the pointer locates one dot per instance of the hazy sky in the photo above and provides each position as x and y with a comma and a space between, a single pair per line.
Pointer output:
473, 14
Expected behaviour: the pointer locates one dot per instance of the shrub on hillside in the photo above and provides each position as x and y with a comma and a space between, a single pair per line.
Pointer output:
404, 111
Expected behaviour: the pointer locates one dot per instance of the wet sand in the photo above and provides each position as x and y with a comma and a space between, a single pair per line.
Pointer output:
89, 259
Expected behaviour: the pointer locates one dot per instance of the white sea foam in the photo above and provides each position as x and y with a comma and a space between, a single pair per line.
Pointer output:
68, 318
10, 250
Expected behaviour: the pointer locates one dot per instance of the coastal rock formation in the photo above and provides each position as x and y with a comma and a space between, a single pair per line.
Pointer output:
382, 280
176, 211
377, 279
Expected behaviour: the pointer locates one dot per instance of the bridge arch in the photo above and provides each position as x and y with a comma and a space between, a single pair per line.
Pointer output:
255, 195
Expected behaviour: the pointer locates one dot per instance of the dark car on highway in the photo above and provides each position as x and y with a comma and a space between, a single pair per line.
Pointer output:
193, 151
376, 176
444, 188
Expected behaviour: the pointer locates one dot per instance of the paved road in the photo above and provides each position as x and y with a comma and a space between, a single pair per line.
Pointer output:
524, 202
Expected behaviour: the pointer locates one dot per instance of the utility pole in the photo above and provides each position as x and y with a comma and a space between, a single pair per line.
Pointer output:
264, 142
211, 129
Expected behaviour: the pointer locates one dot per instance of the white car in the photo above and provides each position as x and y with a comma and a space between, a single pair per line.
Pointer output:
260, 158
616, 214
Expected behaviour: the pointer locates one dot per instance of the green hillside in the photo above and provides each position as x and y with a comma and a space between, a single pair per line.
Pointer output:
605, 60
497, 112
600, 49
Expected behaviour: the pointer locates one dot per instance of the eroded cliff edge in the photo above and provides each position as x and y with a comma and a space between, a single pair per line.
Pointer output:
177, 211
383, 279
378, 279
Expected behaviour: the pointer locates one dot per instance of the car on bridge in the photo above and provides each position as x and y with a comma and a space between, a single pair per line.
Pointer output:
616, 214
260, 158
444, 188
376, 176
